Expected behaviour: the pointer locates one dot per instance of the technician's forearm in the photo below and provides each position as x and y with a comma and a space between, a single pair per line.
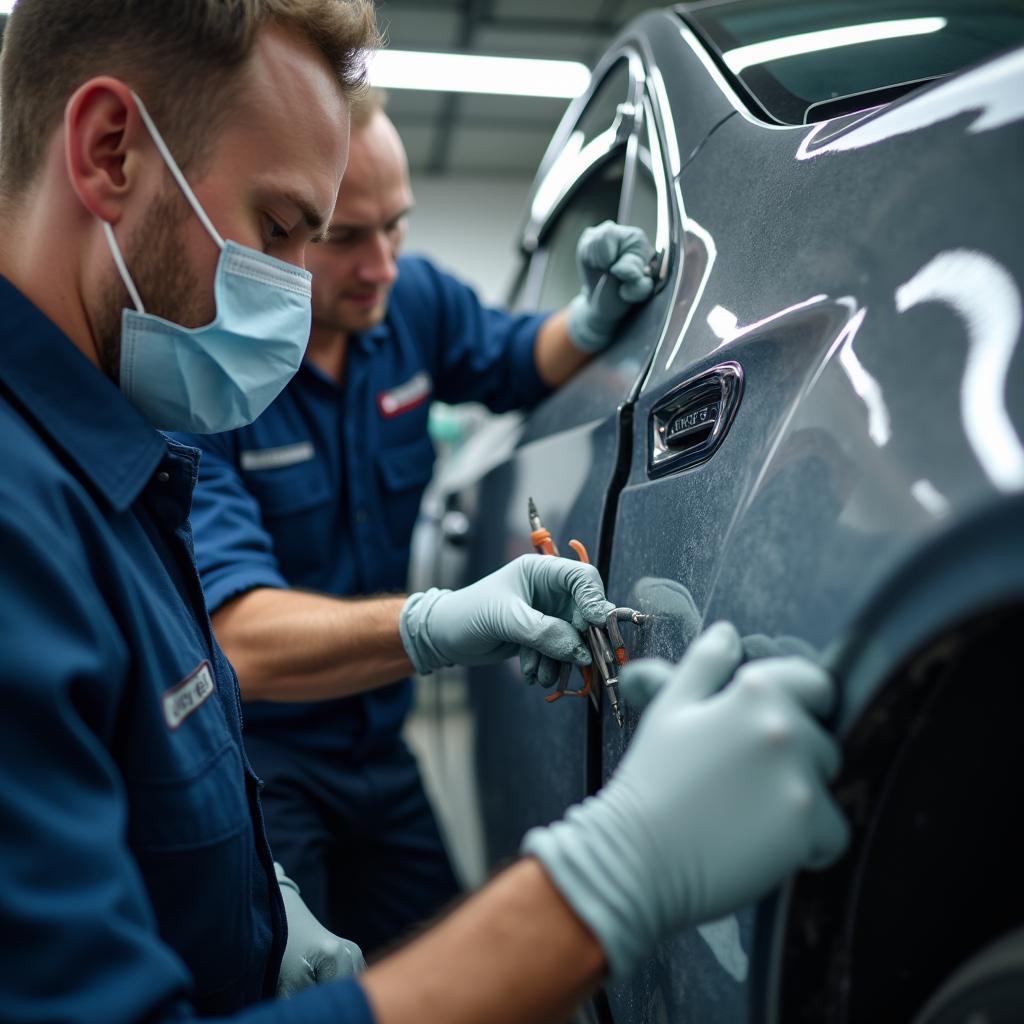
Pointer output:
513, 953
287, 645
557, 358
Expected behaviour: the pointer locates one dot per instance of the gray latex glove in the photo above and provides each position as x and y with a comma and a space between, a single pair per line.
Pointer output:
312, 954
760, 645
535, 607
719, 797
612, 260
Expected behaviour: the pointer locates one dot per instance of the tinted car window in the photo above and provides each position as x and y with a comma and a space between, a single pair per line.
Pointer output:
792, 55
602, 108
648, 182
597, 199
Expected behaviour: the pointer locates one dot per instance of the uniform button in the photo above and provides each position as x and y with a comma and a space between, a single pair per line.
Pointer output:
163, 476
362, 515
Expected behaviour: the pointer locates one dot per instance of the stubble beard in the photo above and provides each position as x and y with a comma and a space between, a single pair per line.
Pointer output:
158, 263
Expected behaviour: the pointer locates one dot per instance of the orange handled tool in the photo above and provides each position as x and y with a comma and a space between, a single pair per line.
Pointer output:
607, 650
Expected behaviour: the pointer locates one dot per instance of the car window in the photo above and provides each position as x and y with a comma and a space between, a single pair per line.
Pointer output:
794, 54
603, 106
596, 200
647, 200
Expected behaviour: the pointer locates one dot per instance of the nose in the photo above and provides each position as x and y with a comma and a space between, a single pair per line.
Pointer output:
379, 267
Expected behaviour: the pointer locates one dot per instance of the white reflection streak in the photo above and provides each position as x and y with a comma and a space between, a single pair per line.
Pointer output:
722, 322
741, 332
709, 246
993, 92
723, 939
867, 388
987, 299
930, 499
741, 57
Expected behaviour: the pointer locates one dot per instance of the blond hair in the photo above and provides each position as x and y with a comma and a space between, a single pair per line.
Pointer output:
174, 53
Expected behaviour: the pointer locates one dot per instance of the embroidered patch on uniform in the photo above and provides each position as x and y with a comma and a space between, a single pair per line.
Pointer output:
276, 458
183, 699
415, 391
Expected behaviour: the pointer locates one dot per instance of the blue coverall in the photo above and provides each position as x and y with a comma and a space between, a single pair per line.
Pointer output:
322, 493
136, 883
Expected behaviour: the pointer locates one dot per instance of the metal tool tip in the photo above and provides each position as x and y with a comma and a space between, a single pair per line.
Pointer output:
530, 505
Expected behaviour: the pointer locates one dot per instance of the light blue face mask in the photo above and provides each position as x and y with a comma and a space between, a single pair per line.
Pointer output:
221, 376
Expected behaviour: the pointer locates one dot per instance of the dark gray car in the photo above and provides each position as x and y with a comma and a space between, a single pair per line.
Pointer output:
814, 430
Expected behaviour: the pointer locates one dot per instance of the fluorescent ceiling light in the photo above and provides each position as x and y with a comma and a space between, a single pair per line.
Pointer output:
463, 72
828, 39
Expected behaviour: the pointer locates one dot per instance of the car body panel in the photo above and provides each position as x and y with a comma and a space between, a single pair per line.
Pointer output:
866, 274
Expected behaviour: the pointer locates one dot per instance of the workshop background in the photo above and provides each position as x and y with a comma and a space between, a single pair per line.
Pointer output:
473, 155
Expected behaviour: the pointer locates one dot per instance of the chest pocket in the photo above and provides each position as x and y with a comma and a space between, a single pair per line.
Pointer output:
298, 511
190, 830
404, 472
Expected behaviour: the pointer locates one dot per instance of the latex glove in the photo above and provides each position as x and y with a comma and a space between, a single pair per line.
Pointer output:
760, 645
312, 954
612, 261
719, 797
535, 607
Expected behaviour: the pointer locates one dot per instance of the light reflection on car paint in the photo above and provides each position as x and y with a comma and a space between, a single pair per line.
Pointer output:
723, 939
927, 495
982, 91
986, 297
711, 254
866, 387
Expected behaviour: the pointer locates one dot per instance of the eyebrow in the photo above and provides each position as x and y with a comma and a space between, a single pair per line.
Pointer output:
313, 220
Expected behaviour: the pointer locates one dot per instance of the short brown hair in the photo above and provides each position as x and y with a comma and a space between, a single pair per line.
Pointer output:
174, 53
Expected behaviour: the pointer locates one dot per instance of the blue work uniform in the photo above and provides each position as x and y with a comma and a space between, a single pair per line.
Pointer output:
322, 493
136, 883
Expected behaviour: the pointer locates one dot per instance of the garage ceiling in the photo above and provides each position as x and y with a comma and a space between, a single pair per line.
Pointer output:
498, 136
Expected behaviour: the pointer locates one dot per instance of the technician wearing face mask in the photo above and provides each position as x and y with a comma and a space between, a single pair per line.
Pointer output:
136, 883
305, 518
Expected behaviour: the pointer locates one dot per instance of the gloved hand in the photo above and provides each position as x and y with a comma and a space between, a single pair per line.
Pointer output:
312, 954
719, 797
612, 261
535, 605
760, 645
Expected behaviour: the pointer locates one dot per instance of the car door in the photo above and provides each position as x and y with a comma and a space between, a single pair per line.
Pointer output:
534, 758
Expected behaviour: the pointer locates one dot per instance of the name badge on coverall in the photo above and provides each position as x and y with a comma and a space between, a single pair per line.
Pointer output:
188, 695
412, 393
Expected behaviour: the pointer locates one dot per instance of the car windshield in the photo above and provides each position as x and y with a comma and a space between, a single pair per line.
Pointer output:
805, 61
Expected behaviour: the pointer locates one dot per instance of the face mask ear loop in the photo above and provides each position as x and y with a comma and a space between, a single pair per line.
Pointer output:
176, 172
115, 251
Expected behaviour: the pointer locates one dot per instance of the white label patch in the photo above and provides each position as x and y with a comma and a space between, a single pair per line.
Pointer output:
277, 458
184, 698
413, 392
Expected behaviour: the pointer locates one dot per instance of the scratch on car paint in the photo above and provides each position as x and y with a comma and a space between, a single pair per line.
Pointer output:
723, 939
986, 297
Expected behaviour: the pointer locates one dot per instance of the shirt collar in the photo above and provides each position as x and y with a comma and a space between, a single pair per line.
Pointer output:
74, 403
369, 340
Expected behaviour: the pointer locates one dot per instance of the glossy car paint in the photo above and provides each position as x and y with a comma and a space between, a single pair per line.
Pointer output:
867, 275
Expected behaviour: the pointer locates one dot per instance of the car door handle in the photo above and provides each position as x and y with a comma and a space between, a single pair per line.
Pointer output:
689, 423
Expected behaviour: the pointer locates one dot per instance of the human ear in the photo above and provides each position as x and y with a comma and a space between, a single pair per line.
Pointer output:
103, 139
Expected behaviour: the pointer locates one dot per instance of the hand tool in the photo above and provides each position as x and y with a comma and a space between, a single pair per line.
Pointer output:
607, 648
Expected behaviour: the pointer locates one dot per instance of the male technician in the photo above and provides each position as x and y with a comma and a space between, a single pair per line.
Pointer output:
162, 168
302, 515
